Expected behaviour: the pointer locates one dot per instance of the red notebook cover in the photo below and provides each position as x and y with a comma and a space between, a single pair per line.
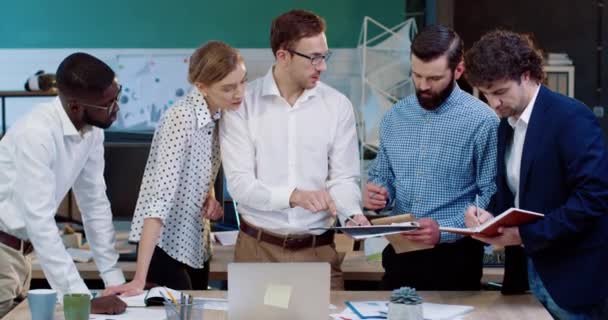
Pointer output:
510, 218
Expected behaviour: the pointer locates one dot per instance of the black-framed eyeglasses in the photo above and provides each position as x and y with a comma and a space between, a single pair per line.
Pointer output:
110, 107
314, 59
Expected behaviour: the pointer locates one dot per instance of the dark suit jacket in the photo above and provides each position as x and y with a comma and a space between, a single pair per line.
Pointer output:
564, 174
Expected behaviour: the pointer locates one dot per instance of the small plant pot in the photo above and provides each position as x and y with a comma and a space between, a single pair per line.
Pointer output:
399, 311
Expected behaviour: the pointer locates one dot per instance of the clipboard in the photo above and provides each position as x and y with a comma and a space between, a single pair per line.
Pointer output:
399, 242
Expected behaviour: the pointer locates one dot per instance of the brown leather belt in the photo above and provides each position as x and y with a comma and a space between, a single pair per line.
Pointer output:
13, 242
290, 242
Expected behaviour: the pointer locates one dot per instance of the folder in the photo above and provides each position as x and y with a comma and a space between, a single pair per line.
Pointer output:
400, 243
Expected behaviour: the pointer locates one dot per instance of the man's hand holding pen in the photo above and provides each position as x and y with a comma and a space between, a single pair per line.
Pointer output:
357, 220
475, 216
375, 197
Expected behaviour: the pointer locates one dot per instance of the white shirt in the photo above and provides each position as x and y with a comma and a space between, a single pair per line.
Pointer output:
514, 151
42, 156
269, 148
183, 163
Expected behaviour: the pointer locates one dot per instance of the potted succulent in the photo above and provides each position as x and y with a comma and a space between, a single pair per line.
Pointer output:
405, 304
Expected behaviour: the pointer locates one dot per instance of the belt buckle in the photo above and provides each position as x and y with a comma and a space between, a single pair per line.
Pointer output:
292, 242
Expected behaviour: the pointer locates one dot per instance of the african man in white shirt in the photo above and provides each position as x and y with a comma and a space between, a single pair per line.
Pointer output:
290, 153
58, 146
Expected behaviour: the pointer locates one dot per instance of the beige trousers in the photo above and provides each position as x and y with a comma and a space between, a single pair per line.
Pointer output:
15, 277
249, 249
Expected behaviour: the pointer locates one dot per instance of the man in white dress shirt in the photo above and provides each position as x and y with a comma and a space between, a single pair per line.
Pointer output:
58, 146
290, 153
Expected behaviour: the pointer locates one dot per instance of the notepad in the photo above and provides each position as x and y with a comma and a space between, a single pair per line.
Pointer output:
510, 218
277, 295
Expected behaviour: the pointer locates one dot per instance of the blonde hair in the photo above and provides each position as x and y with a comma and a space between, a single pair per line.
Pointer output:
212, 62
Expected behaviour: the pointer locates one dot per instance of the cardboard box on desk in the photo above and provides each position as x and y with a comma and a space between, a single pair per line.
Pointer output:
72, 240
400, 243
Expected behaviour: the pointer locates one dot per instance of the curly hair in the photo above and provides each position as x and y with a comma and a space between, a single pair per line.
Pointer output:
503, 55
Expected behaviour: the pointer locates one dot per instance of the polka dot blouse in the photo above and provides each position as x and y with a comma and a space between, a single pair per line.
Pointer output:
183, 163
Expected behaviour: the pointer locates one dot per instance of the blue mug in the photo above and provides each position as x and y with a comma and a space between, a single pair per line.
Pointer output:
42, 303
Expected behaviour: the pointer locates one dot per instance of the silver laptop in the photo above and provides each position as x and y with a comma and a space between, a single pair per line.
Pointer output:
272, 291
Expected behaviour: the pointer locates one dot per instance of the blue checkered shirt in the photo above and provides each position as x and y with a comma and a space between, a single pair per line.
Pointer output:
433, 163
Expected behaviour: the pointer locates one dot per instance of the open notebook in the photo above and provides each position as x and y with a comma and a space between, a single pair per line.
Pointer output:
510, 218
152, 297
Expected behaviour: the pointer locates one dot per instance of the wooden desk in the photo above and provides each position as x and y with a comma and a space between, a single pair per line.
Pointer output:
488, 304
354, 267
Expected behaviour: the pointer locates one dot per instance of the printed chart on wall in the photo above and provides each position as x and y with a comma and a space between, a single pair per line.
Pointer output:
151, 84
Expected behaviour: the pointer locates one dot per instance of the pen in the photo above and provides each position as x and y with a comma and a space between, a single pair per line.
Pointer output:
477, 208
171, 296
349, 219
345, 216
182, 306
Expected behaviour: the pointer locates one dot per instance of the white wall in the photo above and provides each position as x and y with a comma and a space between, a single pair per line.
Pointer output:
19, 64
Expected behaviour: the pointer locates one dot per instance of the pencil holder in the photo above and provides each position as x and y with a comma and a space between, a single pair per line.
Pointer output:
184, 311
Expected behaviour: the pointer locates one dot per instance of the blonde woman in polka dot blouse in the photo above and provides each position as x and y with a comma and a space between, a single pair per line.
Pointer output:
176, 200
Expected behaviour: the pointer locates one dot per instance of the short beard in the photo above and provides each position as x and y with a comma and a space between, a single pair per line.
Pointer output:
90, 121
436, 100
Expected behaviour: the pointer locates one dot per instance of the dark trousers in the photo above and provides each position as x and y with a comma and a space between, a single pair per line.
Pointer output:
448, 266
168, 272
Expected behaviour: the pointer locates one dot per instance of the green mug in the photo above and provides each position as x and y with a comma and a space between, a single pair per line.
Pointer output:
76, 306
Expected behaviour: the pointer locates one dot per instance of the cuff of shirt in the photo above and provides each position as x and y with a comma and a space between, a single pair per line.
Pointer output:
113, 278
79, 287
279, 197
449, 237
158, 209
343, 216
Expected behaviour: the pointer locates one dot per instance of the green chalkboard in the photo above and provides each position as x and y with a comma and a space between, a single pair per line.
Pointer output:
175, 23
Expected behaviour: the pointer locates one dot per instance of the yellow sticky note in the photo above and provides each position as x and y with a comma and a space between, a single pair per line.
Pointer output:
277, 296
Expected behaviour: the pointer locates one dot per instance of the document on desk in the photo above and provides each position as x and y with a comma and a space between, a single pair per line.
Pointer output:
133, 314
364, 232
356, 310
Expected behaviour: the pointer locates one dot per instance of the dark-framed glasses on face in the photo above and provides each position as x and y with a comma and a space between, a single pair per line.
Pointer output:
315, 59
